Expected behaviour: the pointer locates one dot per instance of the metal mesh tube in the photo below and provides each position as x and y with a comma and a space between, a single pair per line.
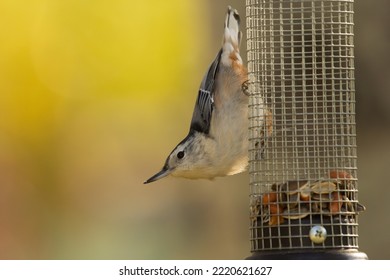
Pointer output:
303, 169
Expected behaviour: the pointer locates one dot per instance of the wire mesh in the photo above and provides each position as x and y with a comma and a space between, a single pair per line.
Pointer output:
303, 169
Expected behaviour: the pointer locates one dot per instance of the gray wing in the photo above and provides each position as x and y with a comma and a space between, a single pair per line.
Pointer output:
204, 105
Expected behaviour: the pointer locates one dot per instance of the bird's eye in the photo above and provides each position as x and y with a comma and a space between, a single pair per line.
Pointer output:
180, 155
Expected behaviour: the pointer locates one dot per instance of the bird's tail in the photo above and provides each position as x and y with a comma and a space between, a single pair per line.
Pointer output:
230, 56
232, 34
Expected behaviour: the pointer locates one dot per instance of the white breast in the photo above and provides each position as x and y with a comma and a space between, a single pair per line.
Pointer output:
229, 126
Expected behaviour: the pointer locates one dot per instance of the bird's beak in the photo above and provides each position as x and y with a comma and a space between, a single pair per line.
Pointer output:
165, 171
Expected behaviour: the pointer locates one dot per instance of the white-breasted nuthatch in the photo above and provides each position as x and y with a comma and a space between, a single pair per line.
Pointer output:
217, 143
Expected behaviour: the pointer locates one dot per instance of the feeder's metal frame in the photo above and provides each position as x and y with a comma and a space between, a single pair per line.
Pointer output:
301, 79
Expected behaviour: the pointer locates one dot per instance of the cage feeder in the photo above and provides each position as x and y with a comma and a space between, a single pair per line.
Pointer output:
302, 135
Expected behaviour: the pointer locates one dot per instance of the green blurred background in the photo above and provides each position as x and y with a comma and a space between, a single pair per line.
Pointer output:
95, 94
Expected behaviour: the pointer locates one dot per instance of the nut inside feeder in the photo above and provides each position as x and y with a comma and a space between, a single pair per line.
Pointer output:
303, 176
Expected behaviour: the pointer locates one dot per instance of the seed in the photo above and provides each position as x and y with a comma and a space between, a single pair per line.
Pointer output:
360, 207
296, 213
344, 184
276, 220
274, 209
336, 203
324, 197
335, 174
269, 197
321, 187
305, 192
292, 187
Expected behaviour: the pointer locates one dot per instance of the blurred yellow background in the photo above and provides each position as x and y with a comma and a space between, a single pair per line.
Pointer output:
93, 97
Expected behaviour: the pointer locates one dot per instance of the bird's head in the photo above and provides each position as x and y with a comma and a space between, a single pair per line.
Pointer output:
185, 160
